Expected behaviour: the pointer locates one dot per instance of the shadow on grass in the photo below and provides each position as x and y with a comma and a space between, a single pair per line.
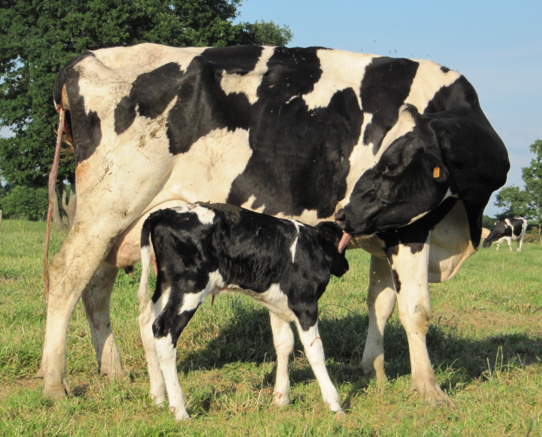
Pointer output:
248, 338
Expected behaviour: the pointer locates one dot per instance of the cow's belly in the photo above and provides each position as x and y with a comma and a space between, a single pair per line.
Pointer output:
126, 251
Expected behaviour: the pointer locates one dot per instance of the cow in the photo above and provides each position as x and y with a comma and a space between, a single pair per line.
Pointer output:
513, 229
206, 249
397, 151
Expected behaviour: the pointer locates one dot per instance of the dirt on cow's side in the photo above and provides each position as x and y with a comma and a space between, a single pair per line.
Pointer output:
485, 343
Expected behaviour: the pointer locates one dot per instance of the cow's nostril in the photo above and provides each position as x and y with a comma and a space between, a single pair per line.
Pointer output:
340, 216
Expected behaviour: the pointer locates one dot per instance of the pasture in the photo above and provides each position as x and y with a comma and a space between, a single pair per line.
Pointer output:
485, 343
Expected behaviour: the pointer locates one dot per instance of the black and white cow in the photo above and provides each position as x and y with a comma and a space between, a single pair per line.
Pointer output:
204, 249
400, 149
513, 229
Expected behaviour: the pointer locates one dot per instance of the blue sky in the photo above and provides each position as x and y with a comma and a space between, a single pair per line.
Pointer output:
497, 45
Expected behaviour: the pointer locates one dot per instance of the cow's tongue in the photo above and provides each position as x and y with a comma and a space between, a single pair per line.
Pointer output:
344, 242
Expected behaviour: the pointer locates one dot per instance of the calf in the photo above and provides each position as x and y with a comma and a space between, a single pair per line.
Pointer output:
508, 229
204, 249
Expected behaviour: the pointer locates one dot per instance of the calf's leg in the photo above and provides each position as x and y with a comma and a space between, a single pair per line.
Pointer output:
149, 312
167, 329
314, 352
381, 299
283, 340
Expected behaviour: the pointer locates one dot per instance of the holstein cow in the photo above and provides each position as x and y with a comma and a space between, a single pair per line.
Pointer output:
507, 229
209, 248
397, 150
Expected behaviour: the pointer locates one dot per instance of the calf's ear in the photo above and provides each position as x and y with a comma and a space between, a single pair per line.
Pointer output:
329, 236
475, 157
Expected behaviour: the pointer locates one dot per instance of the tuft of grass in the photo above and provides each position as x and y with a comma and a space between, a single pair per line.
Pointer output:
485, 343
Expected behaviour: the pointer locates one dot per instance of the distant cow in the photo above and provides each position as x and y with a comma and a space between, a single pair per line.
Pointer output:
204, 249
507, 229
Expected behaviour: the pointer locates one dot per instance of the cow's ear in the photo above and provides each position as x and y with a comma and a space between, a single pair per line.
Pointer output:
475, 157
329, 236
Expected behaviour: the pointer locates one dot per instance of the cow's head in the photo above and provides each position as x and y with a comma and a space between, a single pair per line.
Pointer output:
409, 179
425, 159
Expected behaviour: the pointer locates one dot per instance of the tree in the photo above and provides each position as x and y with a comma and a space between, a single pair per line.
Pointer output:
488, 222
526, 202
38, 37
25, 203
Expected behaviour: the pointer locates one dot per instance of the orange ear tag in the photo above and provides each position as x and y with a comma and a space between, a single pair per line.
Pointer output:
436, 172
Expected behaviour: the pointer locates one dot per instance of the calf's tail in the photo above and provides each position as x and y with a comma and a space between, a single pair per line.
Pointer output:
143, 291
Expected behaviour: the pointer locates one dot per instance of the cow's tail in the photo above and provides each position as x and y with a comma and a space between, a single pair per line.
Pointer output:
143, 291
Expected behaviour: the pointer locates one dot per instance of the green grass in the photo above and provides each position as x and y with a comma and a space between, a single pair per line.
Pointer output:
485, 342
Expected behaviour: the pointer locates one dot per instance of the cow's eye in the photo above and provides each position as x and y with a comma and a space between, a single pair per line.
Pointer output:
390, 168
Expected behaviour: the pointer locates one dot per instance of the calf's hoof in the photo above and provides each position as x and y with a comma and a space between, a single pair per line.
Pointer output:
158, 400
280, 400
180, 413
340, 415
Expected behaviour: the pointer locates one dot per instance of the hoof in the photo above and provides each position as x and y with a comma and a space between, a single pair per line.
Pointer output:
280, 400
57, 391
340, 415
113, 375
158, 400
180, 414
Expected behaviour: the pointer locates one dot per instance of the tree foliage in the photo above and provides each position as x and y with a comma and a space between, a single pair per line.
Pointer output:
38, 37
527, 202
25, 203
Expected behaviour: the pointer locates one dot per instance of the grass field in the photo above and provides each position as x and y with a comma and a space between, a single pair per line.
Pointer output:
485, 342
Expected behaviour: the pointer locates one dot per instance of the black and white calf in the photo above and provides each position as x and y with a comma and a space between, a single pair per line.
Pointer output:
508, 229
204, 249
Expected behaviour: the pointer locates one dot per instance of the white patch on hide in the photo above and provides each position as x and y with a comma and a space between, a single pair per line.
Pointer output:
249, 83
207, 171
292, 249
340, 71
205, 215
192, 300
428, 81
248, 204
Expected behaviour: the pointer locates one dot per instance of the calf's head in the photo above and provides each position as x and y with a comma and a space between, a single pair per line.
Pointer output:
329, 236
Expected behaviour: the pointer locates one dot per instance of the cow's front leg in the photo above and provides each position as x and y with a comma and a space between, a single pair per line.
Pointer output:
314, 350
96, 298
283, 339
381, 298
409, 271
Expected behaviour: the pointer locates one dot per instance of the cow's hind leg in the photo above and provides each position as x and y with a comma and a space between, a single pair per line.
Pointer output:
314, 351
70, 273
381, 299
96, 298
409, 269
283, 339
